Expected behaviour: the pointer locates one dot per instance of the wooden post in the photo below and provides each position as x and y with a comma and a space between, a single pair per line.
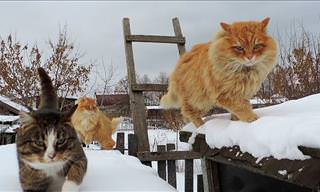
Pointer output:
172, 180
199, 183
162, 164
132, 145
207, 176
120, 142
178, 33
138, 110
188, 175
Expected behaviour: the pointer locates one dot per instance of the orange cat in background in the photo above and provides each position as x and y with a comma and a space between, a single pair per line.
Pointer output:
93, 124
225, 72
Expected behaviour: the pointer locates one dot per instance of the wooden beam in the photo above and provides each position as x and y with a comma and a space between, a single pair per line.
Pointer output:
155, 39
313, 152
138, 112
207, 173
171, 167
150, 87
162, 164
168, 155
178, 33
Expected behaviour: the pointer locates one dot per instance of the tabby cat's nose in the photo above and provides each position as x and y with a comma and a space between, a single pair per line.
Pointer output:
51, 155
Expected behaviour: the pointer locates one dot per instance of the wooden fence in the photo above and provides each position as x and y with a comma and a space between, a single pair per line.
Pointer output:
165, 157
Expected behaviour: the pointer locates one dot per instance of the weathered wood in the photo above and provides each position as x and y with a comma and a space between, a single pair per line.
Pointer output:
188, 175
162, 163
178, 33
120, 142
137, 107
313, 152
199, 183
215, 176
149, 87
207, 173
168, 155
132, 145
155, 39
172, 180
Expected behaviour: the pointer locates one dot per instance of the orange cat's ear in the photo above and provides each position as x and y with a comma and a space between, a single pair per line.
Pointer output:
225, 27
264, 23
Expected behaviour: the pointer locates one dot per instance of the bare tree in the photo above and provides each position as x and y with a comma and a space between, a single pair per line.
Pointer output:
18, 69
298, 70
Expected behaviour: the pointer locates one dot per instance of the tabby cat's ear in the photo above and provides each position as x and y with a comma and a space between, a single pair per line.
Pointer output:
264, 23
26, 118
67, 115
226, 27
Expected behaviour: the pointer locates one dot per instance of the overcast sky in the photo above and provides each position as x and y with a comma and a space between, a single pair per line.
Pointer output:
96, 27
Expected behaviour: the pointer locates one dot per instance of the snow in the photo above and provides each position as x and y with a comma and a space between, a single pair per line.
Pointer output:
278, 132
282, 172
15, 105
8, 118
107, 171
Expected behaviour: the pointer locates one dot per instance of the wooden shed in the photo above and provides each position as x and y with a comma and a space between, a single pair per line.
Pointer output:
229, 170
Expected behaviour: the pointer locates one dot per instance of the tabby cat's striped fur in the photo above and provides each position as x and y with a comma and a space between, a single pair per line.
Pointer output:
49, 153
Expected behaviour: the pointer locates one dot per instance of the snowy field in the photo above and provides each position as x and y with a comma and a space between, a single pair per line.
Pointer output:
107, 171
278, 132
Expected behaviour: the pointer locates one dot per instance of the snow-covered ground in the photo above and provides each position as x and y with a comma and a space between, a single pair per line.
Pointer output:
107, 171
278, 132
163, 137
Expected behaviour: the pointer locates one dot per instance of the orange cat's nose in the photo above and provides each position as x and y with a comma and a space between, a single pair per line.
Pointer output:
249, 56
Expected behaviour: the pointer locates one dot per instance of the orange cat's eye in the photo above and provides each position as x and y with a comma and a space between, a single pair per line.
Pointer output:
238, 49
258, 46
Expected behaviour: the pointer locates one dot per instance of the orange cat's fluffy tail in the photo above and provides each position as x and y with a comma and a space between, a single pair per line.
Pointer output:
115, 122
169, 100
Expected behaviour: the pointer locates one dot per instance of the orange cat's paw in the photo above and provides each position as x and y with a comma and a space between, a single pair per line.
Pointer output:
251, 118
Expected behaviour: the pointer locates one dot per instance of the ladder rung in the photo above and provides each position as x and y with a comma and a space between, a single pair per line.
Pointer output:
155, 39
150, 87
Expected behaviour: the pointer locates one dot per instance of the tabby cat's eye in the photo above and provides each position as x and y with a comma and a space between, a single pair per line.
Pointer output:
61, 141
258, 46
238, 48
39, 143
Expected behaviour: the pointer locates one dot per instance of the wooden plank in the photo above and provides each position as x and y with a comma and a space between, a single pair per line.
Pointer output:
199, 183
137, 107
172, 180
120, 142
132, 145
207, 172
149, 87
155, 39
178, 33
188, 175
162, 163
215, 177
168, 155
313, 152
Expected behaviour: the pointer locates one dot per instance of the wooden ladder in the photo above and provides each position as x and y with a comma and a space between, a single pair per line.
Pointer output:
137, 106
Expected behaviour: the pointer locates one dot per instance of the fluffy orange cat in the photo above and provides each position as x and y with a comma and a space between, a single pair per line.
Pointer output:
93, 124
225, 72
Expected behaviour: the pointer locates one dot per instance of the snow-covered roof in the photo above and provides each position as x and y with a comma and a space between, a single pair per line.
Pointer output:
8, 118
13, 104
278, 132
9, 128
107, 171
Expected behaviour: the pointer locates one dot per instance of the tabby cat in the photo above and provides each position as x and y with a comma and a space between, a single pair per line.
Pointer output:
225, 72
93, 124
49, 153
